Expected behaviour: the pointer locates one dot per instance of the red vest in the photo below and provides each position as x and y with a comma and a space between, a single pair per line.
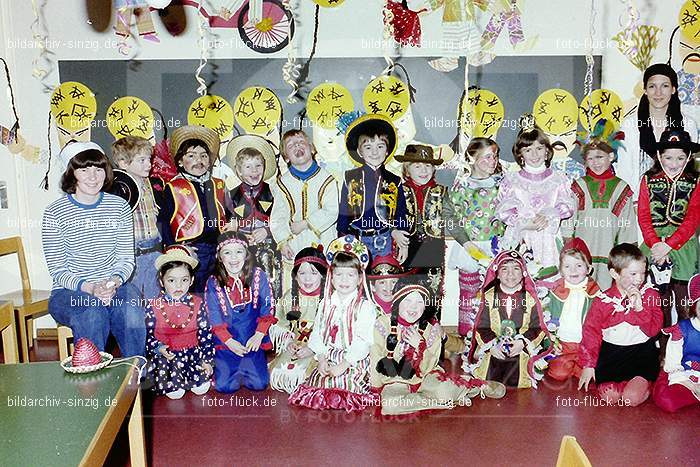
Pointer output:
187, 221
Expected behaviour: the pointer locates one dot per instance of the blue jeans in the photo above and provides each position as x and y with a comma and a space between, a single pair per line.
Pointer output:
88, 317
206, 254
145, 277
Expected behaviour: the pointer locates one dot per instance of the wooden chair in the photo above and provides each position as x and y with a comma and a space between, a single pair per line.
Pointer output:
28, 303
9, 332
64, 348
571, 454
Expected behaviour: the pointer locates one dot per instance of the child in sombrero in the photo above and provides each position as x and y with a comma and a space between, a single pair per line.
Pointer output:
372, 200
194, 202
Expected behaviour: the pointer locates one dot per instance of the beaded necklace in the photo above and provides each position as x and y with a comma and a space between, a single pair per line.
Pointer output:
187, 301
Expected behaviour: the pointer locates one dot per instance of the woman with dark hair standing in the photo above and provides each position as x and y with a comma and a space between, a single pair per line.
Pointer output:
88, 242
659, 109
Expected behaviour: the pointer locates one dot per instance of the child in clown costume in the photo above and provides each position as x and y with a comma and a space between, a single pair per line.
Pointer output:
506, 343
470, 218
240, 307
678, 385
342, 335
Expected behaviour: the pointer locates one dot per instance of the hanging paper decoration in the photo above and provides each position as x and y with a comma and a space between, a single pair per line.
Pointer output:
258, 110
140, 10
130, 116
329, 3
213, 112
689, 21
605, 104
11, 137
268, 33
556, 113
327, 102
459, 33
508, 19
640, 46
43, 64
404, 22
386, 95
73, 108
481, 112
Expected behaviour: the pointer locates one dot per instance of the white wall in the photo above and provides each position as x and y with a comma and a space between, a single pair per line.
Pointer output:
354, 29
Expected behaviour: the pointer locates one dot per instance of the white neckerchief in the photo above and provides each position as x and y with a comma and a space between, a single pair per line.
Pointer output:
535, 170
570, 321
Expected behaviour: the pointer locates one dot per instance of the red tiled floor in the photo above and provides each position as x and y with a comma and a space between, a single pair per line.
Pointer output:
524, 428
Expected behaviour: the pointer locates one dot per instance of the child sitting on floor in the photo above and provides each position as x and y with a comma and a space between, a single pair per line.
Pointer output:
506, 342
568, 304
342, 335
405, 356
296, 313
240, 308
385, 272
678, 385
618, 348
179, 344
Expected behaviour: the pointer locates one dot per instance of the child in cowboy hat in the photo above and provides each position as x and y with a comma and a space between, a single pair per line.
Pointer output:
253, 159
132, 157
669, 215
179, 344
426, 250
372, 200
194, 203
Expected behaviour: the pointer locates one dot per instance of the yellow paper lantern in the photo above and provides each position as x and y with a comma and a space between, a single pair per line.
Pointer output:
606, 104
388, 96
73, 106
327, 102
213, 112
258, 110
689, 21
482, 113
556, 111
329, 3
130, 116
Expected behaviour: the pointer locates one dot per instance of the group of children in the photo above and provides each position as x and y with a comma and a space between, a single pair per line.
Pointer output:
534, 251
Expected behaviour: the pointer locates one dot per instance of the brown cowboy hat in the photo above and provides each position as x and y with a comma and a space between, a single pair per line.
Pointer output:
420, 153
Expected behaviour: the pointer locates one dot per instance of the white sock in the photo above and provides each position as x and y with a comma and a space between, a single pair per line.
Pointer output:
201, 389
176, 394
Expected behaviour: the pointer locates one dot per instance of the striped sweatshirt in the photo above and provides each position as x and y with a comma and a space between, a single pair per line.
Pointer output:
88, 242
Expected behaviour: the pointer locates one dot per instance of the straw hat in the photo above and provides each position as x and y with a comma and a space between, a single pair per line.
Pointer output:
184, 133
177, 253
253, 142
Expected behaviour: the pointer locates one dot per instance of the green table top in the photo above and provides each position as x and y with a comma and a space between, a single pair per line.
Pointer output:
49, 416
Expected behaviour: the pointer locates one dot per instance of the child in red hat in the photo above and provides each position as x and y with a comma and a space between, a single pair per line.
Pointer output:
569, 302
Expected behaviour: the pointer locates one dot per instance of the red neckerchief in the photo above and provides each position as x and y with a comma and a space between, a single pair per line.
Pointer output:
403, 322
420, 190
384, 305
602, 178
313, 293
